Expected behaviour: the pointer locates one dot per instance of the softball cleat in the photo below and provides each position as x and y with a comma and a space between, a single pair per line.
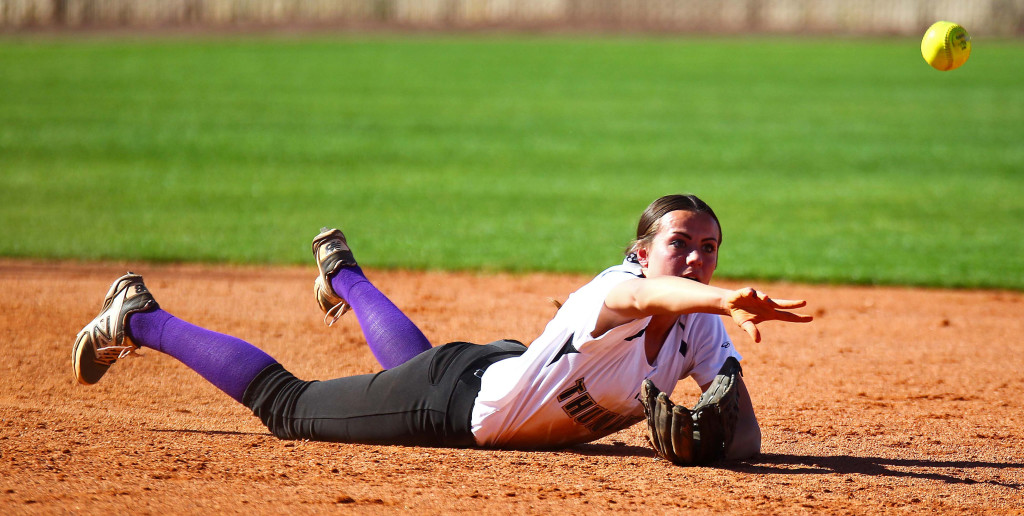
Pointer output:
331, 252
104, 340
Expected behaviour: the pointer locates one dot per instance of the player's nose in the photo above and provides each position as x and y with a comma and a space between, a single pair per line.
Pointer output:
693, 257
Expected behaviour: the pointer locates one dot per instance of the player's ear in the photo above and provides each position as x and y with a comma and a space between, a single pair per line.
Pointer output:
641, 256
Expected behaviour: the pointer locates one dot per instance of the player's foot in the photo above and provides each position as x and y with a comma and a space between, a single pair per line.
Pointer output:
104, 340
331, 252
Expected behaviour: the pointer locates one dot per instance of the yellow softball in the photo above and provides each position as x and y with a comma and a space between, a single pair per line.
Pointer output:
946, 46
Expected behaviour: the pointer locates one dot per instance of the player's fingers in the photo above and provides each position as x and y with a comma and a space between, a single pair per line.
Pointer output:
789, 303
751, 330
781, 315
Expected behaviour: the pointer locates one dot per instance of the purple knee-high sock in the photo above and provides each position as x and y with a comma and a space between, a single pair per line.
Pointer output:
392, 337
227, 362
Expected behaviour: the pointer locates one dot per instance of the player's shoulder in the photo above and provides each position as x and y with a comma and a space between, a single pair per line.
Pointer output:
626, 270
597, 288
612, 276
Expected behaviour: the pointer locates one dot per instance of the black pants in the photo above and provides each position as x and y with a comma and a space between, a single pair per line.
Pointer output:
427, 401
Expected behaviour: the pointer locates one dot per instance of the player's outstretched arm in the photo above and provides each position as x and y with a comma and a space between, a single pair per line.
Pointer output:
665, 295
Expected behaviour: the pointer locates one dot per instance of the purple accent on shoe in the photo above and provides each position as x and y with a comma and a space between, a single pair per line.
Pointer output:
392, 336
227, 362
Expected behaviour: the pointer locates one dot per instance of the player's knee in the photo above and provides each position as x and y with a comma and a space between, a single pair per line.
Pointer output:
746, 443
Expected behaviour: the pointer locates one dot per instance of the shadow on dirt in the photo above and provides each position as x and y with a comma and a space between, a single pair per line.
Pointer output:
617, 449
952, 472
208, 432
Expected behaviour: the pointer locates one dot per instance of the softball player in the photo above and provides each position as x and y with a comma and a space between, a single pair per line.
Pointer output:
654, 317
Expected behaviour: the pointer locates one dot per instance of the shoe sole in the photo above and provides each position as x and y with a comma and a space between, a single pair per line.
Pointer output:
83, 359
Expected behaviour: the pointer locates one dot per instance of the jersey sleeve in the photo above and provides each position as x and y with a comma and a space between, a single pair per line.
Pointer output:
711, 346
584, 307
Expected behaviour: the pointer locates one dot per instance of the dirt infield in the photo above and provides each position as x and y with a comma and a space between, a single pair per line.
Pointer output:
893, 400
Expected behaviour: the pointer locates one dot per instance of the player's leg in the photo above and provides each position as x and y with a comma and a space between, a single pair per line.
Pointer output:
131, 318
426, 401
746, 441
392, 336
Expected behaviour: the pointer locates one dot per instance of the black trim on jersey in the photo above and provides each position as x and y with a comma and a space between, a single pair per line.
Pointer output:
683, 346
624, 268
641, 332
567, 348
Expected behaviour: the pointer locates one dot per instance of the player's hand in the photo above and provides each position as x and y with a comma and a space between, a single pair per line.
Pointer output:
749, 307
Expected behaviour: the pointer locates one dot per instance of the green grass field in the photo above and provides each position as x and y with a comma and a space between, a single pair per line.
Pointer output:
827, 160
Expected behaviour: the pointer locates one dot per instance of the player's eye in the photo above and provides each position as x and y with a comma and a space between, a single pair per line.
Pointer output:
709, 248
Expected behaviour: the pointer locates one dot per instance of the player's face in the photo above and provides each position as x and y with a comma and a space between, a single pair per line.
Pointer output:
686, 245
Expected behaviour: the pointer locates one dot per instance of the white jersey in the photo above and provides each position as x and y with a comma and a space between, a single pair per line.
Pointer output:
571, 387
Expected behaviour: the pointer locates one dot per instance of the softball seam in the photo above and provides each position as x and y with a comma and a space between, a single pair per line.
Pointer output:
948, 48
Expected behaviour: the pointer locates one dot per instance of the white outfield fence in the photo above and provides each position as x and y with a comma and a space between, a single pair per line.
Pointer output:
989, 17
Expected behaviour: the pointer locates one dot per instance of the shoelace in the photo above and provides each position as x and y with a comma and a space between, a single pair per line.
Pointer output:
106, 355
339, 309
336, 312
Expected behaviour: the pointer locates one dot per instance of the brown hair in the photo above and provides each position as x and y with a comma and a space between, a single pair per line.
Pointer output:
650, 219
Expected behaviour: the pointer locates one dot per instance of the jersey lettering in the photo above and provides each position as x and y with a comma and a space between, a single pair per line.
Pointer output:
577, 388
579, 405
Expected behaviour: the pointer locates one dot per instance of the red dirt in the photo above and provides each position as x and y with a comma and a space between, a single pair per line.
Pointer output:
892, 400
